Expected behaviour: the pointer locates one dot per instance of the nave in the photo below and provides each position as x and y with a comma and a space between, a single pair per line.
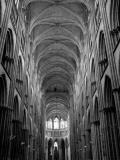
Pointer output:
59, 79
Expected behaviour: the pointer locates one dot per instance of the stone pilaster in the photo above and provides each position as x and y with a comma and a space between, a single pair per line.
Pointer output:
111, 59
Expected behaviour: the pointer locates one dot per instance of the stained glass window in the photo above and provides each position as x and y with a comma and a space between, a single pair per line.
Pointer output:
56, 123
49, 124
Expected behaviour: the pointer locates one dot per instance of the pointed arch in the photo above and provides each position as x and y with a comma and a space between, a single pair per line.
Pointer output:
114, 14
96, 110
102, 57
26, 85
16, 108
26, 90
24, 119
93, 79
86, 92
7, 58
19, 78
115, 20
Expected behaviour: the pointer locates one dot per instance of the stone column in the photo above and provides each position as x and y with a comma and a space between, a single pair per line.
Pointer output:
43, 126
103, 132
71, 127
66, 151
53, 150
5, 113
46, 150
59, 148
53, 139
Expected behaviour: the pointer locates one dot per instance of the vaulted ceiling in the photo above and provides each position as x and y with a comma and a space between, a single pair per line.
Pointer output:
58, 31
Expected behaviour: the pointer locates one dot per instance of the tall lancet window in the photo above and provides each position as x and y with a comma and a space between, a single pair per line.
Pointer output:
62, 124
49, 124
66, 124
56, 123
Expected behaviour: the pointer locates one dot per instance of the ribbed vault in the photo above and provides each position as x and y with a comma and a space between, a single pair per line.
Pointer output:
57, 30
